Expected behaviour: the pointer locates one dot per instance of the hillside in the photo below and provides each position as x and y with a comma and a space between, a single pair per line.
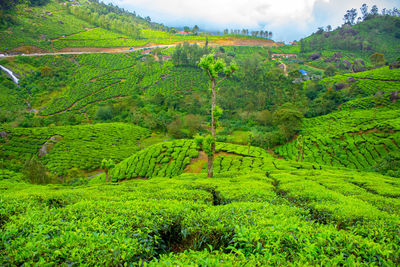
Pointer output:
58, 25
356, 139
38, 26
376, 34
65, 147
74, 88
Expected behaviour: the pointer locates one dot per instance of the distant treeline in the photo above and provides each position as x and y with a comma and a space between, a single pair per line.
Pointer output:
263, 34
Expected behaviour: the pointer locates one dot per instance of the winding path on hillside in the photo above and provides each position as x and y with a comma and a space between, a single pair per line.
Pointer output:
106, 50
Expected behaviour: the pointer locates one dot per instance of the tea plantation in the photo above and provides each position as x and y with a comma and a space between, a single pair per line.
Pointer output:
355, 139
103, 147
369, 82
173, 158
289, 216
65, 147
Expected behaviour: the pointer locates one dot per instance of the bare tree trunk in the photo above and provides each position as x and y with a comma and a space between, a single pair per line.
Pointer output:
106, 176
213, 125
210, 164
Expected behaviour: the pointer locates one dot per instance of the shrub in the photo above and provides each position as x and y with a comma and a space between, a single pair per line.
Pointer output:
35, 172
175, 129
104, 113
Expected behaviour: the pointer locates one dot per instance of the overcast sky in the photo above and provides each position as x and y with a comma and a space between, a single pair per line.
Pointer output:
288, 19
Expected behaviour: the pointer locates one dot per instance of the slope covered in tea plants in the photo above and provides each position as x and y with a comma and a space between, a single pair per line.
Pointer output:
357, 139
64, 147
38, 27
141, 88
56, 25
184, 156
305, 217
369, 82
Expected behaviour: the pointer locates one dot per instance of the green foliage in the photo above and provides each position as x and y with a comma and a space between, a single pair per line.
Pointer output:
104, 113
214, 66
149, 94
198, 140
288, 119
175, 129
107, 164
330, 218
35, 172
390, 164
377, 59
377, 34
81, 147
354, 139
165, 159
173, 158
208, 142
188, 55
11, 176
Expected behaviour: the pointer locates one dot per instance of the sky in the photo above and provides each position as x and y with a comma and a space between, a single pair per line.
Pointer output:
287, 19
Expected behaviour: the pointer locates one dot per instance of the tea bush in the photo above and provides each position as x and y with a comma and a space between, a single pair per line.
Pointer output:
291, 216
81, 147
354, 139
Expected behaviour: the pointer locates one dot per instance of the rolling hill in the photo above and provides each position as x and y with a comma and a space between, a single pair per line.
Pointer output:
376, 34
65, 26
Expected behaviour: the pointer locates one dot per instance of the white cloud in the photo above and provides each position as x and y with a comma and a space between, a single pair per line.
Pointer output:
248, 13
288, 19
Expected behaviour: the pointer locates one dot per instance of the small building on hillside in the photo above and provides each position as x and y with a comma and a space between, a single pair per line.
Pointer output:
284, 56
182, 33
303, 72
146, 52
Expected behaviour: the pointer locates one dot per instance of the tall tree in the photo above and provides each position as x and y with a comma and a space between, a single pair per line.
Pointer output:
374, 10
364, 11
350, 16
195, 29
215, 68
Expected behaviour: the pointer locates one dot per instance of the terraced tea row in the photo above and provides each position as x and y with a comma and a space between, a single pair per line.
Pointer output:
170, 159
358, 139
62, 148
369, 82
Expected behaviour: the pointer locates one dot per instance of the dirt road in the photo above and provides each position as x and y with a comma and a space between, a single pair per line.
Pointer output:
94, 50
